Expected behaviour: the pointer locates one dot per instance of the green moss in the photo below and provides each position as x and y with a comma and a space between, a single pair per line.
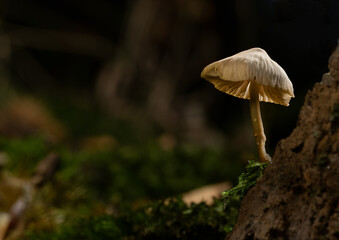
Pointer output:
132, 172
160, 220
232, 198
24, 154
86, 182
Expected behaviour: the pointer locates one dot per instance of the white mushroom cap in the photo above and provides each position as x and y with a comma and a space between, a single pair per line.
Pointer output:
234, 75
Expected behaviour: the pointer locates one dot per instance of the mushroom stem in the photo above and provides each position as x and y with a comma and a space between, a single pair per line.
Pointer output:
257, 124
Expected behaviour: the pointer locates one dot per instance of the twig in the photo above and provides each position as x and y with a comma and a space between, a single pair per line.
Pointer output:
43, 173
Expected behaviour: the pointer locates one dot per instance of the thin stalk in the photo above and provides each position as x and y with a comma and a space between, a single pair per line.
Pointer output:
258, 127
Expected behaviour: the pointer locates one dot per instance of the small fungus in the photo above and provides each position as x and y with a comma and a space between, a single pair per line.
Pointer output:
252, 75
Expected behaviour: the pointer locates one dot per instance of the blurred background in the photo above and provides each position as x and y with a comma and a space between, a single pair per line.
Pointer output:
141, 60
113, 87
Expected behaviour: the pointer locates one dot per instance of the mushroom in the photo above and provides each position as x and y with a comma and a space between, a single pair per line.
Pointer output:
252, 75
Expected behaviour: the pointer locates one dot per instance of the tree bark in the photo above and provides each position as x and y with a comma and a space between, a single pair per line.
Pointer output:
298, 195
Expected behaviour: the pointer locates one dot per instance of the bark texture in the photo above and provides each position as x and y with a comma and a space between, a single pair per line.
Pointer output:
298, 195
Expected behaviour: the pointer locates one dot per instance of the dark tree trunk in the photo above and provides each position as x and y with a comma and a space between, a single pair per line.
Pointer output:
298, 195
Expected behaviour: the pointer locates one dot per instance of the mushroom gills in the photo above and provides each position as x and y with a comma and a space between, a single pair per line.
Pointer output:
236, 89
240, 89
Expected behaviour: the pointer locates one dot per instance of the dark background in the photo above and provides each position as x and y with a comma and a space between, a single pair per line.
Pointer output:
141, 60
